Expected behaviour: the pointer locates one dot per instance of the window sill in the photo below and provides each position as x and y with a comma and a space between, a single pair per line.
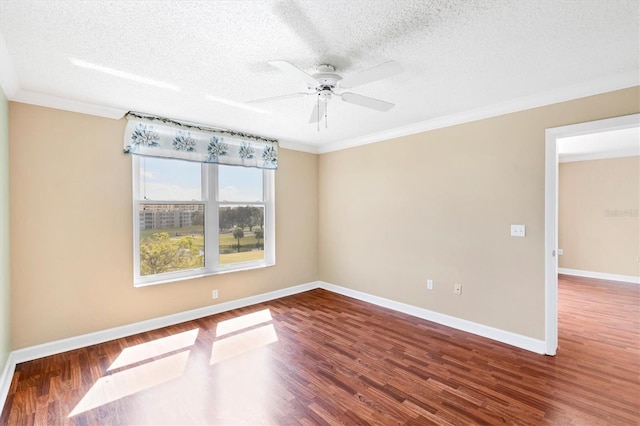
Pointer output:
200, 274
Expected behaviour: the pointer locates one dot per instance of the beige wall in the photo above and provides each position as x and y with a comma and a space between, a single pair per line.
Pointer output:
5, 305
439, 205
71, 228
381, 218
598, 223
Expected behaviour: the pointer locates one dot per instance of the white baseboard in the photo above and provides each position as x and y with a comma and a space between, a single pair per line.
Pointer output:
600, 275
513, 339
59, 346
5, 378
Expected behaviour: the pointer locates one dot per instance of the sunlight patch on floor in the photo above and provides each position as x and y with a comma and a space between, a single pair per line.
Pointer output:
247, 341
118, 385
136, 369
242, 322
154, 348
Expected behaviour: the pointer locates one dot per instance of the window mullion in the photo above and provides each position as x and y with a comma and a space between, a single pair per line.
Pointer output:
213, 235
269, 216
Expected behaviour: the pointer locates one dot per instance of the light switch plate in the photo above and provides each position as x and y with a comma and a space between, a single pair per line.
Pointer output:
517, 230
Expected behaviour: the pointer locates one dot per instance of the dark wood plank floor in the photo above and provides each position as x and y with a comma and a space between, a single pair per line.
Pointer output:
321, 358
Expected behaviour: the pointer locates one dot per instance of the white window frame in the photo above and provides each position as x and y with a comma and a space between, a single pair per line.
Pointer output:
209, 175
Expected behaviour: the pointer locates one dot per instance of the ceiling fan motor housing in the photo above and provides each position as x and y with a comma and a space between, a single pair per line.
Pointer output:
326, 78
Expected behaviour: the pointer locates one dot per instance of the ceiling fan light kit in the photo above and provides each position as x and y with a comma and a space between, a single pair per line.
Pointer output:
325, 83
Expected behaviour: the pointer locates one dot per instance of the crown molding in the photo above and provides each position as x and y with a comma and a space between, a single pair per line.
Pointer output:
297, 146
594, 87
11, 88
57, 102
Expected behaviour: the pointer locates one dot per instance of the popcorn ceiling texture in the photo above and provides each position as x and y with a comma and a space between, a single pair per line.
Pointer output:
212, 56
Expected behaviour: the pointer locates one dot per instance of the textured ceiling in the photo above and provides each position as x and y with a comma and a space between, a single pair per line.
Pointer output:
202, 61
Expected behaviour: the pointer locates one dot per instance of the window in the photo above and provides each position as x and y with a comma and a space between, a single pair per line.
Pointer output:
194, 219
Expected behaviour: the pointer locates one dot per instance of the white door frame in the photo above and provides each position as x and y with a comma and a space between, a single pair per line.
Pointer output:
551, 211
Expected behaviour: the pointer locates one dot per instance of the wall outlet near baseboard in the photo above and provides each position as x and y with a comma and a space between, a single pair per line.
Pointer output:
214, 294
429, 284
457, 288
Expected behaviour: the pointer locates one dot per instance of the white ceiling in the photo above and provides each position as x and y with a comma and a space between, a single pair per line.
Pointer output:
595, 146
200, 61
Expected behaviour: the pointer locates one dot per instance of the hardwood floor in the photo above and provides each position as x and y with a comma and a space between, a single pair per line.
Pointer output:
322, 358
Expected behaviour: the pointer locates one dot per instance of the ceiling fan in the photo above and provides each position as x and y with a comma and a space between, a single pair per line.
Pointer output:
325, 84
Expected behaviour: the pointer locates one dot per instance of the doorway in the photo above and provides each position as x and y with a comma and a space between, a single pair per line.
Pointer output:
553, 135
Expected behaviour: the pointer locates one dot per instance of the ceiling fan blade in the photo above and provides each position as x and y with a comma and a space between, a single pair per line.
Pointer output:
318, 112
367, 102
294, 71
279, 98
376, 73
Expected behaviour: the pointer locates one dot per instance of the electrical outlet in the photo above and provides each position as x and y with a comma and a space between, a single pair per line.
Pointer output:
518, 230
457, 289
214, 294
560, 252
429, 284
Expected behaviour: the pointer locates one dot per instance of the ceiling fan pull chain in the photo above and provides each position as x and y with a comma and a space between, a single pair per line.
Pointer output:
318, 97
326, 115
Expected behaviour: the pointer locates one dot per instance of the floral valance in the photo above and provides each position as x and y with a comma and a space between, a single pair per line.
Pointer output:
160, 137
